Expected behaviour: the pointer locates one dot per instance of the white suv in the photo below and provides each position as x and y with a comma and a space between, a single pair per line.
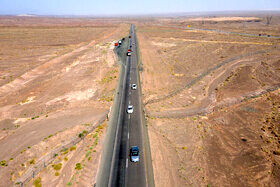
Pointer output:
129, 109
133, 86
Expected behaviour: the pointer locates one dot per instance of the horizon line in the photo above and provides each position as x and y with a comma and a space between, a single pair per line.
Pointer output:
144, 14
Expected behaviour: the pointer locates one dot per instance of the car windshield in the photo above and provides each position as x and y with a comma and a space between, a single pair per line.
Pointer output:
134, 153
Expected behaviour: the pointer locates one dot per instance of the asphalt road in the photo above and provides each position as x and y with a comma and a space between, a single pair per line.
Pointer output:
124, 172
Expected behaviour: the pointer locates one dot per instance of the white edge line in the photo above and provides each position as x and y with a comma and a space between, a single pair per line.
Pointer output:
128, 136
126, 162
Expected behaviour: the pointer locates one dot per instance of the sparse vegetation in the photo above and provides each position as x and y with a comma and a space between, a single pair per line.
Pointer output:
72, 148
32, 161
64, 151
106, 98
80, 135
17, 126
37, 182
3, 163
78, 166
35, 117
88, 153
109, 76
57, 167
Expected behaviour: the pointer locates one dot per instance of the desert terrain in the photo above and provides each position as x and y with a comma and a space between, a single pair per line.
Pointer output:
57, 82
212, 100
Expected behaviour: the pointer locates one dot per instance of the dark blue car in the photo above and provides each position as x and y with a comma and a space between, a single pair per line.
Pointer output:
134, 154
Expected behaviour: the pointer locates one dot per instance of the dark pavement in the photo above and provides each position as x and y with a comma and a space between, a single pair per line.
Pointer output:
127, 173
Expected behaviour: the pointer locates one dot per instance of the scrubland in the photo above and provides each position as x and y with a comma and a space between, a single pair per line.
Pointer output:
57, 80
212, 100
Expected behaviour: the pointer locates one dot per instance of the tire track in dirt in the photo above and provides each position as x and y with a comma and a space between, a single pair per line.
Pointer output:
209, 103
206, 108
198, 78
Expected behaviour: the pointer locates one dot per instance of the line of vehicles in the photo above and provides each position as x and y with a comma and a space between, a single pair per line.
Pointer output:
134, 150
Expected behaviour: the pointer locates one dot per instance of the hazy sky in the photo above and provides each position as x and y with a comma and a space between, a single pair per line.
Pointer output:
107, 7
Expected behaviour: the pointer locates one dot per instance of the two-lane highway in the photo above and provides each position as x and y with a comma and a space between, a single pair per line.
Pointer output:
135, 172
123, 171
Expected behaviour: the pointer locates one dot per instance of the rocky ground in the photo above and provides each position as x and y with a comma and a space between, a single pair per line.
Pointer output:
212, 103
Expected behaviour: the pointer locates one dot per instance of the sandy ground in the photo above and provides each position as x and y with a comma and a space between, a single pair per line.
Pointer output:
212, 104
226, 19
87, 153
55, 94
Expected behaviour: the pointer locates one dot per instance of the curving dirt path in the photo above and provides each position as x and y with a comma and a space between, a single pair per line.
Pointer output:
209, 103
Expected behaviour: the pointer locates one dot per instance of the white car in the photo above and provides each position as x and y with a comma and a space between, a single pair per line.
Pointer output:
133, 86
129, 109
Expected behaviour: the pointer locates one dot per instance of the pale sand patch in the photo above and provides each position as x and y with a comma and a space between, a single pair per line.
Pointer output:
163, 44
226, 19
112, 45
28, 100
110, 58
46, 57
74, 96
21, 120
217, 41
178, 75
68, 68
